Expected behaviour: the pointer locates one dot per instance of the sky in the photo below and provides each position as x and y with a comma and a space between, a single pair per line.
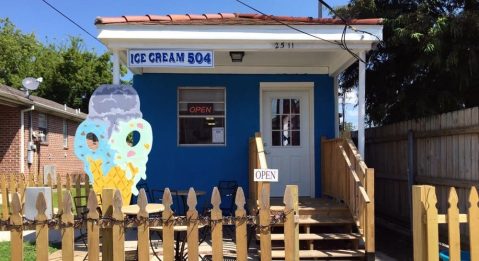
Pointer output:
34, 16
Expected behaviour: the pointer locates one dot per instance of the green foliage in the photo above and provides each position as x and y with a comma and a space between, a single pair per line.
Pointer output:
346, 130
428, 62
29, 251
71, 73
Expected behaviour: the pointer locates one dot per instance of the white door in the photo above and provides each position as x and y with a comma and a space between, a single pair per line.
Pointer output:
286, 134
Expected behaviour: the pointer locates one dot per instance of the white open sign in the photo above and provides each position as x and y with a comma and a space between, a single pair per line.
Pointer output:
269, 175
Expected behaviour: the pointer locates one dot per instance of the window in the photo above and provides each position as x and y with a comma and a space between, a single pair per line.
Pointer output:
65, 134
201, 116
43, 126
285, 122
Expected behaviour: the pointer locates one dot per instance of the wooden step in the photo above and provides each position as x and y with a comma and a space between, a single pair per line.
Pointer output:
326, 221
329, 254
319, 236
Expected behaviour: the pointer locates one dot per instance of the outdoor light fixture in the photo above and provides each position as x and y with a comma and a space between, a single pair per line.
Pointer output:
237, 57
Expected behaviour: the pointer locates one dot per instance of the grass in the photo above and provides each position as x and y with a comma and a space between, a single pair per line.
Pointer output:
29, 251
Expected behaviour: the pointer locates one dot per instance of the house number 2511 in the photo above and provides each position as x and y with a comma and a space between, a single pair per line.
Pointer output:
283, 45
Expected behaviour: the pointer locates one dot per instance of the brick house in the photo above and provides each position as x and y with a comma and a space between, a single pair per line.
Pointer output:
37, 134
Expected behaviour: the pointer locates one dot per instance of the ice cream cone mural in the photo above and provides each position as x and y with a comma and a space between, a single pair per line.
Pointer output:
114, 141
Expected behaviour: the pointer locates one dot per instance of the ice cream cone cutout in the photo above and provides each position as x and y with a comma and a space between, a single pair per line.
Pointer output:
114, 141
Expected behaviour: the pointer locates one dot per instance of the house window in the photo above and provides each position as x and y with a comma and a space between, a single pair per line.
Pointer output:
65, 134
43, 126
201, 116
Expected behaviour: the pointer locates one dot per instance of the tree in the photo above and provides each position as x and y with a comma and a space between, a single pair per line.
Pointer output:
427, 63
17, 53
71, 73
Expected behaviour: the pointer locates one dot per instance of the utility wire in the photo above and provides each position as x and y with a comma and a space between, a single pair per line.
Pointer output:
71, 20
346, 22
287, 25
342, 43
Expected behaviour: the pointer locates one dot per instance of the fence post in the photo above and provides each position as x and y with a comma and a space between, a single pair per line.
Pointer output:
41, 228
241, 223
59, 192
50, 185
418, 226
291, 228
4, 197
68, 233
143, 227
68, 183
432, 224
78, 190
87, 185
107, 233
216, 226
453, 226
16, 235
265, 222
370, 215
473, 220
168, 227
118, 228
93, 230
40, 179
192, 231
410, 167
21, 186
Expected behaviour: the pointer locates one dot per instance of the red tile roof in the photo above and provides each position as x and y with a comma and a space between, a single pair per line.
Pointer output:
228, 18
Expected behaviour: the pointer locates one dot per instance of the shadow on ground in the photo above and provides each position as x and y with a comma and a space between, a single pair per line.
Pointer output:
392, 245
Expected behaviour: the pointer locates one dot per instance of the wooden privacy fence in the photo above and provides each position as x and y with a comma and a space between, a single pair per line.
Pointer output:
346, 177
426, 221
113, 224
11, 184
441, 150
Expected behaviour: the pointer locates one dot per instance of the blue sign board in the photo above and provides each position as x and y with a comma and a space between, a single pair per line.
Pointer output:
170, 58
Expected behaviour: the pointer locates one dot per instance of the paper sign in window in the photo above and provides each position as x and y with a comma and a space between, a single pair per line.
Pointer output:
218, 134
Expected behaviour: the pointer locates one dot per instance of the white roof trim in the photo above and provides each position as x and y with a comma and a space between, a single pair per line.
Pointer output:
115, 33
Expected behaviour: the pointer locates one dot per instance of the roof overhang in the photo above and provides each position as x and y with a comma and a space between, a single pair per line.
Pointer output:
307, 53
13, 100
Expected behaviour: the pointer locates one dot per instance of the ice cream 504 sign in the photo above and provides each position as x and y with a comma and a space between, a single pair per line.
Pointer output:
114, 141
170, 58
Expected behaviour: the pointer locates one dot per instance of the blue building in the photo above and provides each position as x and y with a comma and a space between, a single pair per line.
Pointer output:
207, 83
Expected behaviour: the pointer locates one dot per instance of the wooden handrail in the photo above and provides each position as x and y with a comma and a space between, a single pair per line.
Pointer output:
355, 177
257, 160
347, 178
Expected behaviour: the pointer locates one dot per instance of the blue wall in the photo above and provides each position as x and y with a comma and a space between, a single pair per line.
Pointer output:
202, 167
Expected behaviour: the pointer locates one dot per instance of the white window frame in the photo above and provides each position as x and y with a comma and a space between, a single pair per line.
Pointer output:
178, 116
43, 127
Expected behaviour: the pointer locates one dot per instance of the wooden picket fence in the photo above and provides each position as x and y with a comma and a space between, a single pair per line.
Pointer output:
112, 226
13, 183
426, 221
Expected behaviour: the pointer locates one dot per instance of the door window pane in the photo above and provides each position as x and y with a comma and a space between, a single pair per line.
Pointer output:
286, 107
276, 138
295, 122
286, 117
276, 122
294, 106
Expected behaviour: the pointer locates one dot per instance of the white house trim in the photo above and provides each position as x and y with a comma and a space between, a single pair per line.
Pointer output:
237, 32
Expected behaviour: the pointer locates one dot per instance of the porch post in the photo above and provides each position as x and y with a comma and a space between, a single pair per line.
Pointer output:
336, 104
361, 102
116, 67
